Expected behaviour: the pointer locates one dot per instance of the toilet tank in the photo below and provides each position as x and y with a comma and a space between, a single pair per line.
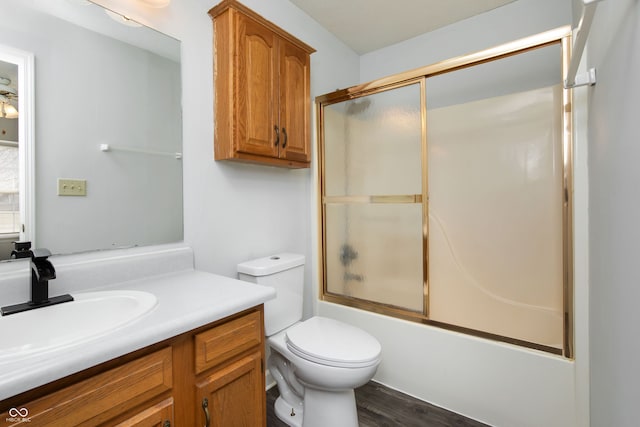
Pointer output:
285, 273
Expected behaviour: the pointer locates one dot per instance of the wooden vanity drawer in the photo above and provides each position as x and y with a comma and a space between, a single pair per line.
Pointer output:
158, 415
222, 342
104, 396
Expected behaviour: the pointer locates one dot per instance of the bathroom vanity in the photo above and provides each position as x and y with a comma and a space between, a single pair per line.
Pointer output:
198, 351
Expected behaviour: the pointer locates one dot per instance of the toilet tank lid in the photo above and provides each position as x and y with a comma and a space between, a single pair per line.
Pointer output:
271, 264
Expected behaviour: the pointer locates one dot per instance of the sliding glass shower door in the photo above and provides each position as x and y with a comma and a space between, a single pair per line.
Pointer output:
446, 195
496, 198
373, 198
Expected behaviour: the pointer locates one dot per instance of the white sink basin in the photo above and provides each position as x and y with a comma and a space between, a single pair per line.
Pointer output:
89, 316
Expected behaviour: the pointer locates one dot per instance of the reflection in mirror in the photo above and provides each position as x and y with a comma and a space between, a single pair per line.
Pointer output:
16, 163
98, 82
9, 165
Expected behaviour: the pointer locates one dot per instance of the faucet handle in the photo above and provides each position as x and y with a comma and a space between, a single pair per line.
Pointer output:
41, 267
21, 250
40, 254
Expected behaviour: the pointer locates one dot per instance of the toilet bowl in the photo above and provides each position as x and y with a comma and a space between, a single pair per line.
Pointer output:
324, 360
316, 363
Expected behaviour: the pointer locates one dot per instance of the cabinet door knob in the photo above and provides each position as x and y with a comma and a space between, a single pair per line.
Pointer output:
277, 135
284, 132
167, 423
205, 408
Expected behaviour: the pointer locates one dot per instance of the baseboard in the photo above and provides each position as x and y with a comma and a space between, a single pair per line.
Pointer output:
269, 381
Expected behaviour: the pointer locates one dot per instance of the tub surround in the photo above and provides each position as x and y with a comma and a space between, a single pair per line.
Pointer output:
186, 299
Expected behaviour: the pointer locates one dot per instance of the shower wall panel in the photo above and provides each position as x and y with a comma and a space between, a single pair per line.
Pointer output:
495, 215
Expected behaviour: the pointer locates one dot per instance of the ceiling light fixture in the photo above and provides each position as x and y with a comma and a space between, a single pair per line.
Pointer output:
7, 94
5, 89
8, 111
156, 3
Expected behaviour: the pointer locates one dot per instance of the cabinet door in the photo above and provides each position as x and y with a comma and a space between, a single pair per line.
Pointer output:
234, 395
257, 89
294, 102
160, 415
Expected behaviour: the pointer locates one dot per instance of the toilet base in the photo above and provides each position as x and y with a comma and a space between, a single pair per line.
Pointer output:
284, 411
322, 409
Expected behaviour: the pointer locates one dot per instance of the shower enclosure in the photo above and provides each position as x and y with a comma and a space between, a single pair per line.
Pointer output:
446, 194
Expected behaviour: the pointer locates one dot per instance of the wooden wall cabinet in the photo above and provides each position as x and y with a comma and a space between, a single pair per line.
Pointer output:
212, 376
262, 90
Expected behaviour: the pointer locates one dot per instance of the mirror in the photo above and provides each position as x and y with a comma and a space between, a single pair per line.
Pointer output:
107, 112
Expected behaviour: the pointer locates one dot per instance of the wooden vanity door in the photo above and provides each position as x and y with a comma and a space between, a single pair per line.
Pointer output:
257, 88
233, 396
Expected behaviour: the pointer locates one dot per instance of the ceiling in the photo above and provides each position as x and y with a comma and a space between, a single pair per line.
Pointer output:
367, 25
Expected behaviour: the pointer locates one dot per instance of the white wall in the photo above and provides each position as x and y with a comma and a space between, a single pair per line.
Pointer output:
499, 384
235, 212
614, 209
513, 21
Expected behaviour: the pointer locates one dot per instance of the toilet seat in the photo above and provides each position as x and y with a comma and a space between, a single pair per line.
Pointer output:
332, 343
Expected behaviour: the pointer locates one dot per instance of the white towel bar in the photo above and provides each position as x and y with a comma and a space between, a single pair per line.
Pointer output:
108, 147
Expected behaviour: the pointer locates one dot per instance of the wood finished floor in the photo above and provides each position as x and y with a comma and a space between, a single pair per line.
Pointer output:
380, 406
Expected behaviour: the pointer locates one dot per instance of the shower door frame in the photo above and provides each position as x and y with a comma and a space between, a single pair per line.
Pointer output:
560, 36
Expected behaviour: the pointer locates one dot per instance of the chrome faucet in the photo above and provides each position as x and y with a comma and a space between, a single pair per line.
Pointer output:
41, 272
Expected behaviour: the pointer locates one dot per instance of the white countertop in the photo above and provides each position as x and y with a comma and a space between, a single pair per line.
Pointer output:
186, 300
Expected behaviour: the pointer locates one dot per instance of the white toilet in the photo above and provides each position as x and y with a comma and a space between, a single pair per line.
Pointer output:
316, 363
